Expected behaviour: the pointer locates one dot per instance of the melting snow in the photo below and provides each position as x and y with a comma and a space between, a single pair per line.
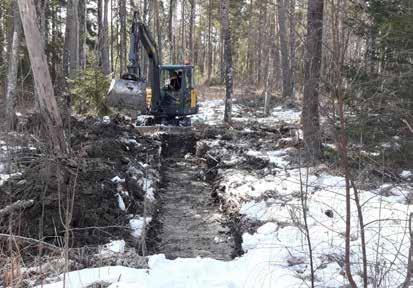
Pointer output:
121, 203
277, 254
117, 179
137, 224
117, 246
406, 174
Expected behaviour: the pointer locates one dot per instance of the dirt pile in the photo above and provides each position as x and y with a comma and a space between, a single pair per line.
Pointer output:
101, 185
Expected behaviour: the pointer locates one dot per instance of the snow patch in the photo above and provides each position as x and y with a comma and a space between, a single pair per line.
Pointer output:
121, 203
137, 225
117, 246
117, 179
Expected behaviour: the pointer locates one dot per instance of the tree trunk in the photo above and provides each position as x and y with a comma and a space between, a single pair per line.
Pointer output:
71, 50
228, 60
103, 43
158, 28
209, 69
112, 37
312, 65
191, 31
271, 78
1, 39
259, 45
41, 10
2, 62
170, 31
122, 47
276, 57
13, 67
42, 81
82, 34
183, 32
284, 48
292, 47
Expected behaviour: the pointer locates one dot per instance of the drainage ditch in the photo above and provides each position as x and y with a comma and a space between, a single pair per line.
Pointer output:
188, 221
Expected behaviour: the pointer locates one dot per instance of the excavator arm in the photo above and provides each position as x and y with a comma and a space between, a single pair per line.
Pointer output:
150, 47
129, 91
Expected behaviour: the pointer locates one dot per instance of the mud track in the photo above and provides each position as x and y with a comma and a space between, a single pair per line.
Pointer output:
190, 223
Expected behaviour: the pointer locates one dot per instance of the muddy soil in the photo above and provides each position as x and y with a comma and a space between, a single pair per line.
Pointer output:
189, 222
83, 185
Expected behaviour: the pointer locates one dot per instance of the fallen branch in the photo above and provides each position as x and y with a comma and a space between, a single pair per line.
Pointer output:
27, 239
18, 205
408, 125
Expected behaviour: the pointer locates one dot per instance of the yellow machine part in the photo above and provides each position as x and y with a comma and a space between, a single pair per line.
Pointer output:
194, 98
148, 97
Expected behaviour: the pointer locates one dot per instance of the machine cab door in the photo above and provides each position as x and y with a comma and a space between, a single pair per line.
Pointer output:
190, 93
177, 92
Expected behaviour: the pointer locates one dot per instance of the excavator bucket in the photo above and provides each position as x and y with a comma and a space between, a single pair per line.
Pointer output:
127, 94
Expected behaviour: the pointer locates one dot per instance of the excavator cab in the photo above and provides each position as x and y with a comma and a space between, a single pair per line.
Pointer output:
178, 97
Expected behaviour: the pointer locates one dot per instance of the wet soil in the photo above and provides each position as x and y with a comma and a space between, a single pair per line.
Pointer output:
189, 221
81, 184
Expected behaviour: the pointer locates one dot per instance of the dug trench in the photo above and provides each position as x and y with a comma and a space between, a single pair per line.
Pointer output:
188, 221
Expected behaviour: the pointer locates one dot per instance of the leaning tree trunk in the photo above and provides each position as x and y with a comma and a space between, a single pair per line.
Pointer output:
227, 59
284, 47
312, 66
42, 81
13, 67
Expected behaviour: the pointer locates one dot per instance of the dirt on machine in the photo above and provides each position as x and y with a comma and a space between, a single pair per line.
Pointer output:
169, 98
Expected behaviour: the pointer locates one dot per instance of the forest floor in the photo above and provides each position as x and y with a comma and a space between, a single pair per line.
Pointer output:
213, 207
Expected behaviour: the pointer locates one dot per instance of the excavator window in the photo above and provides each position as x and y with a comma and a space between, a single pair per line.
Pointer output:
172, 80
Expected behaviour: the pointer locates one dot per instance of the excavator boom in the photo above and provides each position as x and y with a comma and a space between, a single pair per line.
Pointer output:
129, 91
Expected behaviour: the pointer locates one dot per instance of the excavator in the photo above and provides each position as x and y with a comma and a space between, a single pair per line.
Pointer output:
171, 97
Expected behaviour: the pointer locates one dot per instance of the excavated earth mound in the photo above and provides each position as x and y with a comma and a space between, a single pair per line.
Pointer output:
99, 187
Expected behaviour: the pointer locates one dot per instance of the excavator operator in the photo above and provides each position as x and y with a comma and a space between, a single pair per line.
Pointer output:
175, 81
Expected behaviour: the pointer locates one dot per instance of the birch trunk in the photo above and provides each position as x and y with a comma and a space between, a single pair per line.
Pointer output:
13, 67
227, 59
209, 65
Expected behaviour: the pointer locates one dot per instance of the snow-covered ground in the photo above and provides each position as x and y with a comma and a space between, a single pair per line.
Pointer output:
212, 113
277, 254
